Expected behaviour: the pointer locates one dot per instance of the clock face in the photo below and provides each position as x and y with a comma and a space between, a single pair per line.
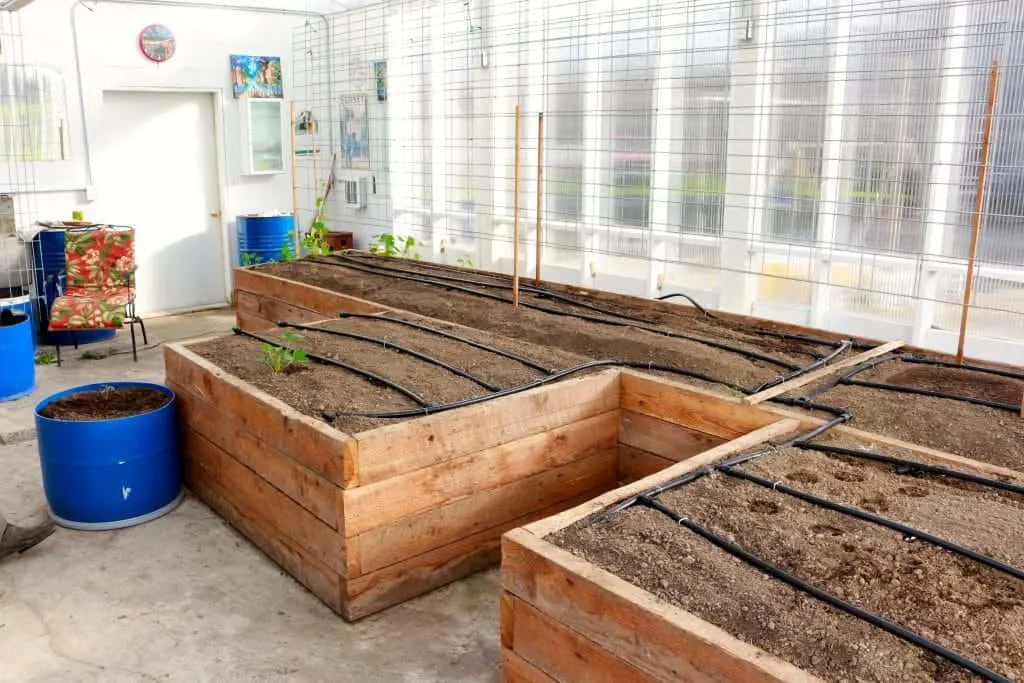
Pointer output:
157, 43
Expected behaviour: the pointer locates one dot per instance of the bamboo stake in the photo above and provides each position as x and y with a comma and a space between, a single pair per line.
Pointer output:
295, 187
540, 191
314, 152
515, 221
979, 204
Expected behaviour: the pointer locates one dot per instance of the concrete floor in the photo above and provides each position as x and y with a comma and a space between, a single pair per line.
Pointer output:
186, 598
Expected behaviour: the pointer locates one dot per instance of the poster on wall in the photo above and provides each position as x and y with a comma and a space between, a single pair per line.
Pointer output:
380, 78
253, 76
355, 132
306, 131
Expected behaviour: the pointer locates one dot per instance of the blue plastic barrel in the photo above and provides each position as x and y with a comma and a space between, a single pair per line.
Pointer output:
261, 238
109, 474
48, 247
17, 358
21, 304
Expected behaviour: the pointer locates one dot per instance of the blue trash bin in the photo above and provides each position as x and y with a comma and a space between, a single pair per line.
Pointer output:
111, 473
17, 356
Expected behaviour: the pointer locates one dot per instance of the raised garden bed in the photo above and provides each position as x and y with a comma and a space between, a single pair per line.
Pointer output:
313, 289
580, 586
367, 510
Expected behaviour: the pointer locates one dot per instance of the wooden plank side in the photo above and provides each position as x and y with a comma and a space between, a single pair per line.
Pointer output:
757, 437
299, 294
417, 575
676, 645
564, 654
703, 411
375, 505
297, 562
667, 439
636, 464
440, 526
266, 312
320, 448
516, 670
821, 372
297, 482
276, 511
389, 451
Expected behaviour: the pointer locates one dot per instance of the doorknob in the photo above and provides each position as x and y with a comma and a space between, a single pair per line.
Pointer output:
215, 214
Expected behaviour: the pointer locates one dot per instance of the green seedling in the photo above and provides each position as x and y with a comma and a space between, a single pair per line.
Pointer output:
251, 258
464, 261
286, 252
316, 239
280, 358
46, 358
390, 245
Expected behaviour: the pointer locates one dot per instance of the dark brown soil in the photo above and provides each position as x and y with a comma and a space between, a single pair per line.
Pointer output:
585, 338
105, 404
968, 607
987, 434
316, 389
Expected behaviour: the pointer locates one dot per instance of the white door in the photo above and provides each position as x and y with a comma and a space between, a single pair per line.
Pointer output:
157, 171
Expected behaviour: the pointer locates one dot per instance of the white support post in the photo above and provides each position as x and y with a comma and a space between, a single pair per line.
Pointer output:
439, 135
747, 154
944, 183
595, 153
672, 32
829, 204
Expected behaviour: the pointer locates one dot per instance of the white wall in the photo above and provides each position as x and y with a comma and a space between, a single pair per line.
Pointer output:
109, 59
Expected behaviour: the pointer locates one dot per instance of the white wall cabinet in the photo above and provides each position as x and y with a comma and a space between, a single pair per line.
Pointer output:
263, 140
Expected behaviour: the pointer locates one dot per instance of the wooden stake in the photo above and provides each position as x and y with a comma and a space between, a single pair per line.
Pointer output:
515, 221
295, 187
540, 191
979, 203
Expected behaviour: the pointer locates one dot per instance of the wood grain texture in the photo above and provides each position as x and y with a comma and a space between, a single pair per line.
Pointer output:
676, 645
698, 410
379, 504
440, 526
516, 670
395, 449
309, 297
636, 464
667, 439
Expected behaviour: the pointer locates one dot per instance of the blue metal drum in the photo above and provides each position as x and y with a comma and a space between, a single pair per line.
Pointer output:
261, 239
17, 355
113, 473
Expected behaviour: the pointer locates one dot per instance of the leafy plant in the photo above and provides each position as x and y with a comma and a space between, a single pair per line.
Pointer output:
251, 258
280, 358
390, 245
316, 239
46, 358
286, 252
464, 261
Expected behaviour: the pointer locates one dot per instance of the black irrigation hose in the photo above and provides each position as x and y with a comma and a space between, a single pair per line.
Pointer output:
962, 366
845, 345
366, 374
397, 347
693, 302
1013, 408
589, 318
913, 467
448, 335
908, 532
826, 597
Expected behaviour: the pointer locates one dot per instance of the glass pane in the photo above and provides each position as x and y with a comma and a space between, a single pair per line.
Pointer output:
266, 135
32, 114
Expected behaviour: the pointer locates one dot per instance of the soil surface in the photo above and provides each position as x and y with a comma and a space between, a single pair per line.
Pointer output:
322, 391
957, 602
617, 338
106, 404
987, 434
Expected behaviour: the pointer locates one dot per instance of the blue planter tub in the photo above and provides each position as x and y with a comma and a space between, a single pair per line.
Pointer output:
17, 356
110, 473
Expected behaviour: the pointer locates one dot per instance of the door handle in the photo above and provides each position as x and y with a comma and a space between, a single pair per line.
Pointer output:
215, 214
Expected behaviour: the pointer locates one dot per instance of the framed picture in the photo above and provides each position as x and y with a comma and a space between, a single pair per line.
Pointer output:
253, 76
355, 132
306, 129
157, 43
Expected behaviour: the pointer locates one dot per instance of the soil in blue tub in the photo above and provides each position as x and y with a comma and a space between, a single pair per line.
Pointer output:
106, 404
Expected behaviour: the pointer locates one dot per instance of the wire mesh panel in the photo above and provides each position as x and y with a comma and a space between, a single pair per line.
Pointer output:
816, 159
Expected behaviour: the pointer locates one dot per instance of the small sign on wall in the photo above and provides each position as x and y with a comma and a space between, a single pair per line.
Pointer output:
255, 76
157, 43
355, 132
380, 77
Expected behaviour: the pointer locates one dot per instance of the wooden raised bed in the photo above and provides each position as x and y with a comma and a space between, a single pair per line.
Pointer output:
368, 520
565, 620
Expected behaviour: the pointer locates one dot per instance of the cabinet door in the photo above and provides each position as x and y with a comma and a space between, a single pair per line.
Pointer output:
266, 136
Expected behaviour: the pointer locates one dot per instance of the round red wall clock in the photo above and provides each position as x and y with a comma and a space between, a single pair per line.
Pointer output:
157, 43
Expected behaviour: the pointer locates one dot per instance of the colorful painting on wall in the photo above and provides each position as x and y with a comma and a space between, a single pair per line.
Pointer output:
157, 43
256, 76
355, 132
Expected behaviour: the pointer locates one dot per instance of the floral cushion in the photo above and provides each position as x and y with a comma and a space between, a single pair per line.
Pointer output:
98, 270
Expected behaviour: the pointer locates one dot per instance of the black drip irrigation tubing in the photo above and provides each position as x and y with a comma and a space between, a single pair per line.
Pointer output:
824, 596
914, 468
589, 318
976, 368
909, 533
693, 302
1014, 408
397, 347
824, 360
366, 374
448, 335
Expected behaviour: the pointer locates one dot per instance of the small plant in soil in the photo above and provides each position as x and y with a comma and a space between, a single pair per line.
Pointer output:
390, 245
286, 252
464, 262
46, 358
250, 258
280, 358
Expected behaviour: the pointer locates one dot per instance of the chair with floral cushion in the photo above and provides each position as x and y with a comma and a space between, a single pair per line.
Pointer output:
99, 284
